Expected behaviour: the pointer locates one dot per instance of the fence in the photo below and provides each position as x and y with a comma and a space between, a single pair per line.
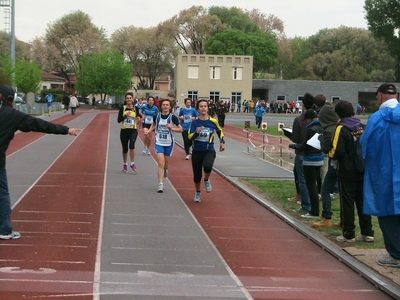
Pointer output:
274, 149
37, 108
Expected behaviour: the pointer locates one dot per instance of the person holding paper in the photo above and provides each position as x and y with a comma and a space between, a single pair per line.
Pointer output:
312, 161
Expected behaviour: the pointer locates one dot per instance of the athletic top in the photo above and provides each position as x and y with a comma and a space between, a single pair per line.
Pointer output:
204, 141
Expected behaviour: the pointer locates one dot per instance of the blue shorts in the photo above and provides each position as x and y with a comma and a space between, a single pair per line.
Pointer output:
166, 150
49, 104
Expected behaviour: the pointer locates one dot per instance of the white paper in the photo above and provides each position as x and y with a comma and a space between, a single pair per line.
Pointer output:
315, 142
288, 129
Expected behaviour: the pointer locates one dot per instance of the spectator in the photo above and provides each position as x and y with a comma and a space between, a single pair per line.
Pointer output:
298, 137
74, 103
328, 120
49, 98
12, 120
350, 180
381, 147
221, 112
259, 112
66, 103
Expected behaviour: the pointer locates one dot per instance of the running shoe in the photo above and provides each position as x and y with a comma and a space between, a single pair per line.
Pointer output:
125, 168
165, 173
160, 188
208, 185
365, 238
147, 151
344, 240
134, 168
389, 261
144, 151
197, 197
187, 157
12, 236
309, 216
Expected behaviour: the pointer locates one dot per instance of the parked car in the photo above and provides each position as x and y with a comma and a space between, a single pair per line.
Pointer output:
19, 100
86, 100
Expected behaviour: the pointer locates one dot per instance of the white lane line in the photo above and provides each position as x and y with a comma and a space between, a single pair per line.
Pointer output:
97, 267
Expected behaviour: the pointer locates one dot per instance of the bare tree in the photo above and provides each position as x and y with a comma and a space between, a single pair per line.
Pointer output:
191, 28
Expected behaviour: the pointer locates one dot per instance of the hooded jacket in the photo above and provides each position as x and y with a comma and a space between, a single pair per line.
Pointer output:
328, 120
381, 150
343, 148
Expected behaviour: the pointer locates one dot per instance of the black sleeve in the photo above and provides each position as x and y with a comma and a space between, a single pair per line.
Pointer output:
138, 112
29, 123
175, 120
120, 114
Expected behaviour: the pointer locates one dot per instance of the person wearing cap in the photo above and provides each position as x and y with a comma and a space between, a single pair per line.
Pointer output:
12, 120
381, 150
221, 112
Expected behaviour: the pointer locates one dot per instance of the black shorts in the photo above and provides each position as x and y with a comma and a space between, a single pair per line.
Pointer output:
146, 125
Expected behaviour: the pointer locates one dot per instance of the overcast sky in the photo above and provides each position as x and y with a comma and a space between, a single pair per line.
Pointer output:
301, 17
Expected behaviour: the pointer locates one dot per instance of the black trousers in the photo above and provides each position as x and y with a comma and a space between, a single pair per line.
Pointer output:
202, 160
186, 142
351, 193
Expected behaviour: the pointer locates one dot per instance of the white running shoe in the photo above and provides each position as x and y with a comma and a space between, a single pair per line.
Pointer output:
197, 197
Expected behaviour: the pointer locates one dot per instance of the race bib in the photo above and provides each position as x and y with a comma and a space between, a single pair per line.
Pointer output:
129, 121
204, 135
148, 120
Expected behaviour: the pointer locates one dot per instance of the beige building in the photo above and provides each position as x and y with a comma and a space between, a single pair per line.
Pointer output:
218, 77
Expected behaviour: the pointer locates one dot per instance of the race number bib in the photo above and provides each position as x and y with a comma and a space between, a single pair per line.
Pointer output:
204, 135
129, 121
148, 120
187, 118
164, 137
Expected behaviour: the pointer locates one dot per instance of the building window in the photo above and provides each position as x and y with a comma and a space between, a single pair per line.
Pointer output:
220, 60
229, 60
214, 96
236, 97
184, 58
211, 59
281, 97
193, 72
300, 98
193, 95
237, 73
335, 98
246, 60
215, 72
193, 59
238, 60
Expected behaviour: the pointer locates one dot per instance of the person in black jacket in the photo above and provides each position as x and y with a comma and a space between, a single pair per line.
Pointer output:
12, 120
222, 110
351, 181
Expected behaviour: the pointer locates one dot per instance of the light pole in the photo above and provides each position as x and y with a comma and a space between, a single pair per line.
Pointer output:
11, 4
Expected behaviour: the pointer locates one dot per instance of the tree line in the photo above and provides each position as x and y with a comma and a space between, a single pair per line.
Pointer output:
74, 46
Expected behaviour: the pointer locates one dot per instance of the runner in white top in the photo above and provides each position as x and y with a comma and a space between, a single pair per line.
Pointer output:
163, 123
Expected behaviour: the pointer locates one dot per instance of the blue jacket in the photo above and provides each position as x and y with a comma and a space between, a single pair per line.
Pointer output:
259, 111
380, 143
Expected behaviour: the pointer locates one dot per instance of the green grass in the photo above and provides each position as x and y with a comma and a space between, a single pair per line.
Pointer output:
278, 191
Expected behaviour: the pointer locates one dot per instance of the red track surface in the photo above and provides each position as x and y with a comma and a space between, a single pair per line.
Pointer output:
60, 232
272, 260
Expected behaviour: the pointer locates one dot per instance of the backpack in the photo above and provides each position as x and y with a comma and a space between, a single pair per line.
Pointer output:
359, 161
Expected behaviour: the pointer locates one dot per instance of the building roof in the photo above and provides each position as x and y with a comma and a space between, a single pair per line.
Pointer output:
51, 77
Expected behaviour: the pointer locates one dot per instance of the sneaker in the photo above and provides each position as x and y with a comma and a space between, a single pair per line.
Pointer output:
12, 236
389, 261
165, 173
197, 197
324, 223
294, 199
144, 151
187, 157
300, 210
309, 216
134, 168
147, 151
344, 240
160, 188
125, 168
208, 185
365, 238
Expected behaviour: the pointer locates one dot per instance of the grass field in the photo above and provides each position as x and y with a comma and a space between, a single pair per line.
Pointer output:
278, 191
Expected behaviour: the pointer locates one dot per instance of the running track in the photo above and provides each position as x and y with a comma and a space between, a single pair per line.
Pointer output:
61, 231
